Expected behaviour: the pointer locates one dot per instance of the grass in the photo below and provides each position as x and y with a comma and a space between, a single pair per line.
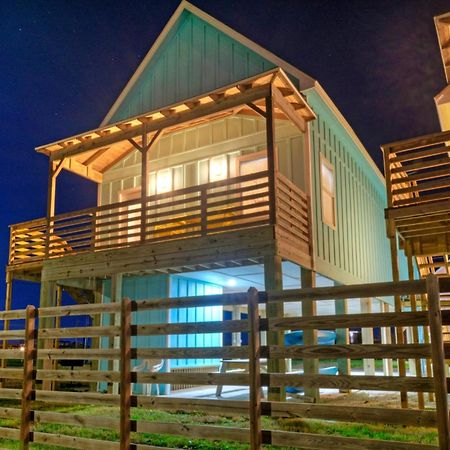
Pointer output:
362, 431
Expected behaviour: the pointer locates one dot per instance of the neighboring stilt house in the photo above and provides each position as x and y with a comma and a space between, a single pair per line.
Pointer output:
220, 166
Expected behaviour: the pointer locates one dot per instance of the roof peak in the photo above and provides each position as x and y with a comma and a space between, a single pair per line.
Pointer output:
305, 80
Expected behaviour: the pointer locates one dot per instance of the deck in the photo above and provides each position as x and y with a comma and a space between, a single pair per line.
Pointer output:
191, 215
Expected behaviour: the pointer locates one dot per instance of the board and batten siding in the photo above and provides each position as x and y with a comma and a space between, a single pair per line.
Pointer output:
187, 151
194, 58
357, 250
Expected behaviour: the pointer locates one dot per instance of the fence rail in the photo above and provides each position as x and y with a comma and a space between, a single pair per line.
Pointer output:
34, 376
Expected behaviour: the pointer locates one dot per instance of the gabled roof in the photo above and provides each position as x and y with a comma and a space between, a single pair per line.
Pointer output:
92, 153
262, 60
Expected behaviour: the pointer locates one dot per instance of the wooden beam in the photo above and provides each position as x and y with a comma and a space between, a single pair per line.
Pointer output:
257, 109
273, 280
309, 309
202, 110
95, 156
288, 109
82, 170
438, 357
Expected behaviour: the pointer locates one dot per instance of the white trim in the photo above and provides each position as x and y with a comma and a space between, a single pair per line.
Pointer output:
305, 80
324, 162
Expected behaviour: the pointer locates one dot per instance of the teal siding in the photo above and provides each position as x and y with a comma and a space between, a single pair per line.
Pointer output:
181, 287
358, 249
194, 58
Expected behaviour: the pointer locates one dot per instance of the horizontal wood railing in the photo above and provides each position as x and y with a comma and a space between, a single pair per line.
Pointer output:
119, 378
210, 208
418, 185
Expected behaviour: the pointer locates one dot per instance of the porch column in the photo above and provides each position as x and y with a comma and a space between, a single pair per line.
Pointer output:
96, 322
47, 299
116, 297
367, 336
236, 315
415, 365
386, 338
144, 148
54, 170
272, 157
309, 308
398, 304
8, 297
342, 337
273, 281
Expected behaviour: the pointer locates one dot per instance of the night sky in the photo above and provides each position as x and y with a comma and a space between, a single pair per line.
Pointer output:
63, 63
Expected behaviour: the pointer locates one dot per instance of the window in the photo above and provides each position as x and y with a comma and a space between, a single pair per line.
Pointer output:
328, 192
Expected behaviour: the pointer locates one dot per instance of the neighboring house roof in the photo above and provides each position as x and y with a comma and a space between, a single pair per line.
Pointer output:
442, 23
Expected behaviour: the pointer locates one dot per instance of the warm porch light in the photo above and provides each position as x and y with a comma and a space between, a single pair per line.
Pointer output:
218, 168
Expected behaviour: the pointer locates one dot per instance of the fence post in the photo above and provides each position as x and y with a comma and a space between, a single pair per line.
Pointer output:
254, 346
29, 358
438, 359
125, 375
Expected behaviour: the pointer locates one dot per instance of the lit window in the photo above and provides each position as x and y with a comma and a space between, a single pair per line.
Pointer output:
328, 191
218, 168
163, 181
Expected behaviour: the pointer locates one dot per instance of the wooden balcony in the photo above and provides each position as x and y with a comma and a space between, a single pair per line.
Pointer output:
418, 193
221, 207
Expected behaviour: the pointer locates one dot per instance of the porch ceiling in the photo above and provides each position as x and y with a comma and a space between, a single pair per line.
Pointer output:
92, 153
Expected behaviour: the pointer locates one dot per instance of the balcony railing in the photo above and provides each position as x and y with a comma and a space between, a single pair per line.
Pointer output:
217, 207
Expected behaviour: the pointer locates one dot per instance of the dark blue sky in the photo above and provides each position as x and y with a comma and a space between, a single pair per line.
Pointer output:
63, 63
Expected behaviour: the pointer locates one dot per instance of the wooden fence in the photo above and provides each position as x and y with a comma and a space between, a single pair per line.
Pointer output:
36, 354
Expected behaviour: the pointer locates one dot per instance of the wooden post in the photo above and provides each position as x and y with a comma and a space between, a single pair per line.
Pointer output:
398, 306
53, 171
386, 338
254, 346
426, 338
416, 363
29, 358
96, 321
342, 338
114, 342
47, 299
125, 375
273, 281
272, 158
367, 337
144, 181
309, 308
8, 297
438, 359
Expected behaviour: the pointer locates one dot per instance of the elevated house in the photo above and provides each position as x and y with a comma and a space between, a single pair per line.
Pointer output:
219, 166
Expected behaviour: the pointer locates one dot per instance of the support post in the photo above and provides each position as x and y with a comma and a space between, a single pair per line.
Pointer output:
414, 363
398, 306
114, 342
47, 299
29, 358
144, 181
367, 337
426, 338
254, 346
272, 158
438, 359
342, 338
386, 338
8, 297
273, 281
309, 309
125, 375
96, 322
53, 171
